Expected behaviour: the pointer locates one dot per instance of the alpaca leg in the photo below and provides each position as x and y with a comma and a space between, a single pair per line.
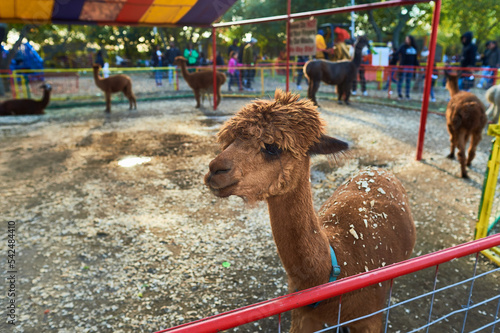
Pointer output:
453, 145
304, 324
197, 97
134, 100
476, 138
340, 92
461, 153
347, 92
108, 102
311, 92
218, 96
130, 95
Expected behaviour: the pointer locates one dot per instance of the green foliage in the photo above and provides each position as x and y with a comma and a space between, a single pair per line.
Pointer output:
76, 44
459, 16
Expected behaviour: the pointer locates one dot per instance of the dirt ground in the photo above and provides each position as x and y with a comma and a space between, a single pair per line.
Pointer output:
105, 248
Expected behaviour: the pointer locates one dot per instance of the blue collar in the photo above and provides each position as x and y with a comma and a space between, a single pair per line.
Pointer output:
333, 275
335, 266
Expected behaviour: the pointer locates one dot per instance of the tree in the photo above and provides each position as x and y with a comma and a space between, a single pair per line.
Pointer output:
460, 16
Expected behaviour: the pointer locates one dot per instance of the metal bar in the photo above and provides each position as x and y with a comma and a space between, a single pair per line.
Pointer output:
214, 65
470, 292
496, 317
285, 303
330, 11
489, 189
428, 79
388, 306
452, 313
338, 318
288, 9
432, 298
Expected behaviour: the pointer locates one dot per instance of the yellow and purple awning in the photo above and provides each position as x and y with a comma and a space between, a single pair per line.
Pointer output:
115, 12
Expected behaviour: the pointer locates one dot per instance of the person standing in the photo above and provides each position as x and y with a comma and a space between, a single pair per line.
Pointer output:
191, 56
393, 61
301, 60
234, 73
99, 59
322, 51
467, 59
233, 48
219, 60
157, 60
408, 56
340, 50
365, 60
170, 56
491, 60
249, 62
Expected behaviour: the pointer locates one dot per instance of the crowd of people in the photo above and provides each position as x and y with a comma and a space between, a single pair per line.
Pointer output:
407, 56
242, 59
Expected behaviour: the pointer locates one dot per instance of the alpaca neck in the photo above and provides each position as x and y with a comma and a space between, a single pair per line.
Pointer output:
184, 71
46, 98
302, 246
97, 77
453, 88
357, 56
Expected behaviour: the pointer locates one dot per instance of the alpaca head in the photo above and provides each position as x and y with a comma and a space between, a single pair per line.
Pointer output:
361, 42
179, 60
46, 87
266, 148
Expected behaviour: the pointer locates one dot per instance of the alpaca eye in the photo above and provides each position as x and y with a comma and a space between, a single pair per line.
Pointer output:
271, 150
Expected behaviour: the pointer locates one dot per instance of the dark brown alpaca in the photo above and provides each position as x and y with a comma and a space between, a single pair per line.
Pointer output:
26, 106
201, 82
266, 149
341, 73
114, 84
465, 118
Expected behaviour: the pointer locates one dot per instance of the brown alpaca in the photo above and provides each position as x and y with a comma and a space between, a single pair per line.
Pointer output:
26, 106
465, 118
266, 150
341, 73
200, 82
114, 84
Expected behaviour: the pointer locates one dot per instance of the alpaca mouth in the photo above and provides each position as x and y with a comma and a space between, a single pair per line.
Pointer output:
223, 192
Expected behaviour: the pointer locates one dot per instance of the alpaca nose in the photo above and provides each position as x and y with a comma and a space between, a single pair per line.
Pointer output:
220, 166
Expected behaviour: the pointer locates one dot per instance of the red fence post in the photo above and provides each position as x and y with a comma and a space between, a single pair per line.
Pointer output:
428, 79
214, 65
288, 45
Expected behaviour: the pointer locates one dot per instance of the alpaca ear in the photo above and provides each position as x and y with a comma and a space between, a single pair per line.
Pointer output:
328, 145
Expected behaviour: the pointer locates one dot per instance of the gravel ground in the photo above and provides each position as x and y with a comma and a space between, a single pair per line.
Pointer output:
104, 248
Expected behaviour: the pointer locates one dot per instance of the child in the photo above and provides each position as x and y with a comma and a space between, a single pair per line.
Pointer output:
234, 74
434, 78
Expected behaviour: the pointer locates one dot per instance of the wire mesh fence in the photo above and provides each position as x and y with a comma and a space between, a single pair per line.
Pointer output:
418, 300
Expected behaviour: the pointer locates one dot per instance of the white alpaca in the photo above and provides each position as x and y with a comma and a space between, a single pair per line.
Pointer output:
493, 96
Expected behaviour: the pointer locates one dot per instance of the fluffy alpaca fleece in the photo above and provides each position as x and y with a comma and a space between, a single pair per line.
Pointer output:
114, 84
341, 73
266, 150
201, 82
26, 106
493, 96
465, 117
292, 124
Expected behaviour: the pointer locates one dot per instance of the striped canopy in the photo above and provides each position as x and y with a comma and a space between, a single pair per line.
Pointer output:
115, 12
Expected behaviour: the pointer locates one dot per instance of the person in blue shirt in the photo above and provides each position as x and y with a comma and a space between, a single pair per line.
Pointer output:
408, 56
